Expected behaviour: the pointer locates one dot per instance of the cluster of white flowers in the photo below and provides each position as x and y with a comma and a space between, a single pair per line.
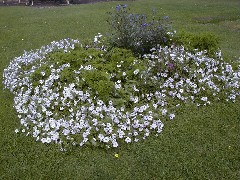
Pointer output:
191, 77
97, 38
63, 113
55, 112
20, 68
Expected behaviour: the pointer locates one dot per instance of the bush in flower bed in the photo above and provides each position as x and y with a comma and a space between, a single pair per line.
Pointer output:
137, 32
204, 41
74, 95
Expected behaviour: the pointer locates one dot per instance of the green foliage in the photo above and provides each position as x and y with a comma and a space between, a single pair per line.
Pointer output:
36, 76
99, 82
135, 31
99, 71
201, 41
204, 143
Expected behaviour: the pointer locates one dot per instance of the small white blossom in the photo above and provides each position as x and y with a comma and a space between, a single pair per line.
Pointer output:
136, 71
128, 140
171, 116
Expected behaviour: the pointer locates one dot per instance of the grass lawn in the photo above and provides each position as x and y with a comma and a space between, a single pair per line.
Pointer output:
201, 143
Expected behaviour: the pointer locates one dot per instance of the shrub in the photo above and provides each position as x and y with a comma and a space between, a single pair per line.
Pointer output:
135, 31
202, 41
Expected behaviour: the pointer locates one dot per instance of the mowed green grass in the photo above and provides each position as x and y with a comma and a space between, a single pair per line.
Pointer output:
201, 143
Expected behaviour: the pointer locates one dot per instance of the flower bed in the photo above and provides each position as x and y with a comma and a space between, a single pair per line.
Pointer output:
74, 95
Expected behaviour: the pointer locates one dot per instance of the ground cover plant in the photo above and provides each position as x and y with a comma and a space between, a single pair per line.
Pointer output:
72, 94
193, 144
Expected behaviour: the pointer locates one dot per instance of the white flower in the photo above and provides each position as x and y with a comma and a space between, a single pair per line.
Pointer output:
88, 67
135, 89
146, 134
48, 113
128, 140
149, 118
110, 102
43, 140
43, 73
171, 116
65, 131
121, 133
48, 140
136, 71
106, 139
135, 133
114, 144
117, 86
155, 106
136, 140
164, 112
101, 137
153, 126
135, 99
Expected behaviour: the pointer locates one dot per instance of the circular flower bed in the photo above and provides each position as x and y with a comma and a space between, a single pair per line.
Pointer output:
72, 94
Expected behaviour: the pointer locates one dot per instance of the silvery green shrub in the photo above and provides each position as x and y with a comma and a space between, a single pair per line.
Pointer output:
136, 32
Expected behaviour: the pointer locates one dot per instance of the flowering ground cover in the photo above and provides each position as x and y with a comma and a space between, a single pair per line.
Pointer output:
73, 95
200, 140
